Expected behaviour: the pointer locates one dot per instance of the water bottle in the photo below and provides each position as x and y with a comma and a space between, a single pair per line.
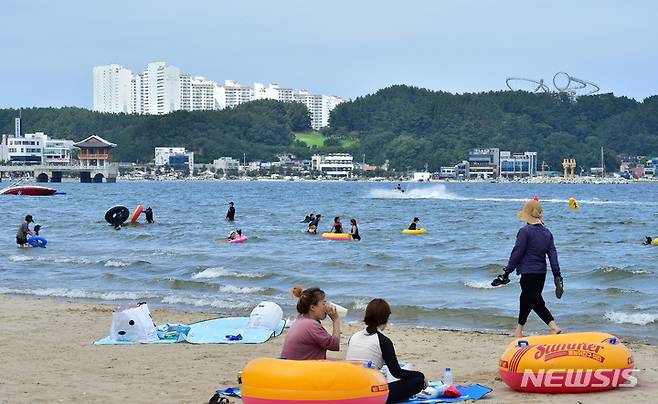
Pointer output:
447, 377
342, 311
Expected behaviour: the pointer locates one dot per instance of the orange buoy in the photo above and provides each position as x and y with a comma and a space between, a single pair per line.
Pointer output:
566, 363
138, 211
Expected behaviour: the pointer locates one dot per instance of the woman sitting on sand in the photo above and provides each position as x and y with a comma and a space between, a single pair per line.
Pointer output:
307, 339
371, 345
533, 243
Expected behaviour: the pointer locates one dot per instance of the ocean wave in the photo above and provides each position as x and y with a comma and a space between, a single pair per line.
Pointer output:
206, 302
80, 294
218, 272
620, 317
117, 263
479, 284
360, 304
240, 290
616, 273
58, 260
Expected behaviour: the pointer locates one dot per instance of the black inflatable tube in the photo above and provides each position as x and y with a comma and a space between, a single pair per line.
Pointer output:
117, 215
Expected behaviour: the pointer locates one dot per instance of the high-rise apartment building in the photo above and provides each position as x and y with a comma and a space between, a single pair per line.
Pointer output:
273, 92
163, 88
112, 89
232, 94
203, 94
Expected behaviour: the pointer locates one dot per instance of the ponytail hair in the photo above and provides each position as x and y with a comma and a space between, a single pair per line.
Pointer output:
307, 298
377, 313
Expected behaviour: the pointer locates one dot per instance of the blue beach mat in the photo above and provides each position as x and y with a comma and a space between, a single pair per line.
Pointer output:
227, 330
472, 392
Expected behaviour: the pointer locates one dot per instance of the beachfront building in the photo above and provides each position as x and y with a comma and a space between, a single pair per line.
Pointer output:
113, 86
334, 165
483, 163
36, 148
518, 164
226, 164
95, 151
175, 157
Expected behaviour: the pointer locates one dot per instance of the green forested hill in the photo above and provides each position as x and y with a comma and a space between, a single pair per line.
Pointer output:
406, 125
260, 128
413, 126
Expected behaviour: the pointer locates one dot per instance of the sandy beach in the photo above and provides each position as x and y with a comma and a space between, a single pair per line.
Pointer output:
48, 356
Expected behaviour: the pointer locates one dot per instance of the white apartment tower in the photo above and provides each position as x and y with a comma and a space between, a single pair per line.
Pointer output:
314, 105
232, 94
203, 94
161, 88
273, 92
185, 92
112, 89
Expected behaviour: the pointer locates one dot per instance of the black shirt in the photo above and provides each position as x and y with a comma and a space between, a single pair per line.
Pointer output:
412, 226
230, 215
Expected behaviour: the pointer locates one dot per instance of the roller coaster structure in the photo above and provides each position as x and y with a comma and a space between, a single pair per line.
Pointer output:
563, 83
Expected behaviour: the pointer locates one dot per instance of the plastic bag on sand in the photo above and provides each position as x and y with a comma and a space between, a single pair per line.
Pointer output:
133, 323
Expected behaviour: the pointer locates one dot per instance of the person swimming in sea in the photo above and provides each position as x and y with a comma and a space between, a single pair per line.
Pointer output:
313, 225
24, 231
399, 188
647, 240
149, 215
414, 224
354, 231
337, 227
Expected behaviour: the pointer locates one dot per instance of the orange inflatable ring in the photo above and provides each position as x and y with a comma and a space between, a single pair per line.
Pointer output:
336, 236
135, 216
566, 363
277, 381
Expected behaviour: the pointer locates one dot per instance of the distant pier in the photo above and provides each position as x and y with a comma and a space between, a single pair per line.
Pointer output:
50, 173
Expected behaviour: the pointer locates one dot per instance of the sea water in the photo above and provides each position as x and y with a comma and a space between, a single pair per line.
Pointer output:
441, 279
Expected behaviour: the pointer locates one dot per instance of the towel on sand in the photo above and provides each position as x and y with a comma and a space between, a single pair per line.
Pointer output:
214, 331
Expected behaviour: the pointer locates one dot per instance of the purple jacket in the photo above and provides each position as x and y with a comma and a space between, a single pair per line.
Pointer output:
533, 243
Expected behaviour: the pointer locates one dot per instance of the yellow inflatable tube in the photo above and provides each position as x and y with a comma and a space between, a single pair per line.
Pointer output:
336, 236
276, 381
655, 241
573, 203
418, 231
566, 363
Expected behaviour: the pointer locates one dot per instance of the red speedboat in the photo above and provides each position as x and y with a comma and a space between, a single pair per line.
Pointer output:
28, 190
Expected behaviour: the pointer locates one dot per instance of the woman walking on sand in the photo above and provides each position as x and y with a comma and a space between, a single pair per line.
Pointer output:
533, 243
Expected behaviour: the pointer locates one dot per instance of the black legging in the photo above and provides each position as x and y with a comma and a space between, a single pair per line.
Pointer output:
531, 288
402, 390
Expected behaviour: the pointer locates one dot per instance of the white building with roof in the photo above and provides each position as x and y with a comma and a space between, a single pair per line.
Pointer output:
336, 165
37, 148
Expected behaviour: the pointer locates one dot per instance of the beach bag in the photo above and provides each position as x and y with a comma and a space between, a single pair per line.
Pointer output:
133, 323
266, 315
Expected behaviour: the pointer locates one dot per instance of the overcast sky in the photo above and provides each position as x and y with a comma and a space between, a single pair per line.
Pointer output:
342, 47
